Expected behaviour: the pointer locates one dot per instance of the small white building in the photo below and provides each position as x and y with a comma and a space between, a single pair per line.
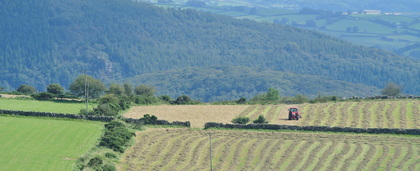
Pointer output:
375, 12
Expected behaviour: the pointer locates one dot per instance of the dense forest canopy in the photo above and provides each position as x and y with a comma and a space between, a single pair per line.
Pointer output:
233, 82
53, 41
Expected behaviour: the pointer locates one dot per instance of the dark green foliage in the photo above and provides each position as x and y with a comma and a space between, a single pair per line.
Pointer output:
43, 96
146, 100
116, 136
240, 120
111, 155
95, 162
26, 89
114, 124
109, 98
125, 102
145, 90
109, 167
273, 94
55, 89
323, 99
261, 120
84, 113
128, 89
111, 104
184, 99
149, 119
165, 98
241, 100
93, 86
391, 89
116, 89
298, 99
233, 82
108, 109
54, 42
56, 115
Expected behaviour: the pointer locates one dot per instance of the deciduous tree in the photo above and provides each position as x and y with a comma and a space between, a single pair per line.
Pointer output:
391, 89
55, 89
116, 89
93, 86
26, 89
145, 90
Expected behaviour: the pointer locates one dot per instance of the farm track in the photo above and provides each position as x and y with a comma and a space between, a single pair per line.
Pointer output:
187, 149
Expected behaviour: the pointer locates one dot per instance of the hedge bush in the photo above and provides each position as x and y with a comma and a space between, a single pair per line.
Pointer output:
116, 136
240, 120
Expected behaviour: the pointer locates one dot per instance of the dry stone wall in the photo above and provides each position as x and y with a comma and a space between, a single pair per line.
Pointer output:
314, 128
56, 115
159, 122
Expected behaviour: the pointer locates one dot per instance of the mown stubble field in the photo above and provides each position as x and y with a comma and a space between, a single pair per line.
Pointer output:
364, 114
189, 149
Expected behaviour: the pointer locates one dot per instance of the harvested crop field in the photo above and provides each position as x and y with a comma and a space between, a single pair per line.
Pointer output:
364, 114
187, 149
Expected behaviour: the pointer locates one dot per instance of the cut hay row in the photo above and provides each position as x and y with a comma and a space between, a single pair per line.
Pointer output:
186, 149
365, 114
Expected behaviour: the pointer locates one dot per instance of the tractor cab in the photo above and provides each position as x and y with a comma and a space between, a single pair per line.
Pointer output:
294, 113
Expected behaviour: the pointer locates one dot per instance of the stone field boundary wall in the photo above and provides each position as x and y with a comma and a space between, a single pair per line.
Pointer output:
314, 128
159, 122
56, 115
92, 118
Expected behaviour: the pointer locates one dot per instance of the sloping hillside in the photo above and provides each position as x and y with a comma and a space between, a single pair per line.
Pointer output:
233, 82
53, 41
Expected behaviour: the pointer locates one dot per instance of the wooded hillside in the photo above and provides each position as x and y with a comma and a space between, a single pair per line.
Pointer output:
53, 41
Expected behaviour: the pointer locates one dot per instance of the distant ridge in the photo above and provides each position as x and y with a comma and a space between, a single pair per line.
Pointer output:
53, 41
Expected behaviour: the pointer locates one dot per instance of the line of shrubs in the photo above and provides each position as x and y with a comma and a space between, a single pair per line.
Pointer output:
56, 115
113, 143
314, 128
147, 119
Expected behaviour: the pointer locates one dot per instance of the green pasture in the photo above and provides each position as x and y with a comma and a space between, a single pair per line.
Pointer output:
363, 25
28, 143
274, 11
365, 16
298, 18
396, 18
43, 106
406, 37
233, 13
415, 26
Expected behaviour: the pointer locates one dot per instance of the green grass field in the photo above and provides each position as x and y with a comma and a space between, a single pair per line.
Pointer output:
28, 143
42, 106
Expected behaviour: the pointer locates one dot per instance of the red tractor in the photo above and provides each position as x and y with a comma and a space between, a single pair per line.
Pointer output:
294, 113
